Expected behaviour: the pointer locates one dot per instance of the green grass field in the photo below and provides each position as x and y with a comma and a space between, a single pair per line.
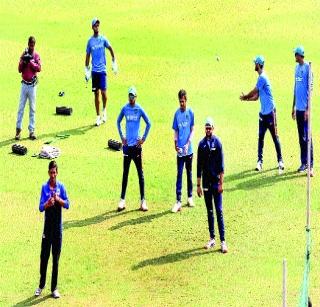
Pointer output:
157, 258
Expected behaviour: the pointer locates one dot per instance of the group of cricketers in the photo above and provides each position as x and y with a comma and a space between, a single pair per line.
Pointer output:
210, 156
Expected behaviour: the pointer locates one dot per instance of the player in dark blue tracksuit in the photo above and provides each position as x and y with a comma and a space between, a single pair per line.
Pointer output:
53, 199
300, 107
267, 115
210, 166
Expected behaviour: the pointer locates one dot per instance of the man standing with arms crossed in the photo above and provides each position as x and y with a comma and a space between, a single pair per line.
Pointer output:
29, 66
300, 107
53, 199
96, 48
183, 126
132, 145
210, 166
267, 115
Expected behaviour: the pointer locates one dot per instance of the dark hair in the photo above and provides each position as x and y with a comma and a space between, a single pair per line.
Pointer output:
31, 40
182, 93
53, 164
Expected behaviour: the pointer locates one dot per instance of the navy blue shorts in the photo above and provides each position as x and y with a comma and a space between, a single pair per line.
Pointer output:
99, 81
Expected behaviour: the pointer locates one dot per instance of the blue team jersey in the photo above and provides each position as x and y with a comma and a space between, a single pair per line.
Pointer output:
265, 93
301, 86
96, 47
182, 123
133, 115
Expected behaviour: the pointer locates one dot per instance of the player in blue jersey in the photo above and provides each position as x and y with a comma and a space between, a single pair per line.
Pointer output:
183, 126
96, 48
300, 107
267, 115
132, 144
53, 198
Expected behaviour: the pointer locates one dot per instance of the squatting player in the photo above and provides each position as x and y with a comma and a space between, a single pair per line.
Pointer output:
96, 48
300, 107
267, 115
132, 145
53, 199
183, 126
210, 166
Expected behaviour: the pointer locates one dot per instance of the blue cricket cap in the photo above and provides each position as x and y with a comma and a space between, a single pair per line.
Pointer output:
259, 59
132, 90
94, 21
299, 50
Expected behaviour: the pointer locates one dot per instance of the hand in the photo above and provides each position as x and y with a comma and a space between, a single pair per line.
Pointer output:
140, 142
114, 66
306, 115
57, 198
293, 114
220, 188
199, 191
242, 96
124, 141
49, 203
87, 73
177, 149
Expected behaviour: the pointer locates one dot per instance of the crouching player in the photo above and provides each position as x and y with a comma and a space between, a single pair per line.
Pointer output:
210, 166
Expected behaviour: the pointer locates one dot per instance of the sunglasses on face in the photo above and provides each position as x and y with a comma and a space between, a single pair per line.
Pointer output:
208, 128
131, 96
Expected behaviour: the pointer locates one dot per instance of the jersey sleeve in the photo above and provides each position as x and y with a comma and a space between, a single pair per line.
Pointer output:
191, 118
106, 43
88, 49
175, 122
260, 83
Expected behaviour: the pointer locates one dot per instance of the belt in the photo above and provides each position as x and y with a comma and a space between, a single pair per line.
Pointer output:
33, 81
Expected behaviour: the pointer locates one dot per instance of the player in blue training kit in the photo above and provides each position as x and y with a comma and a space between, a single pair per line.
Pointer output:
53, 199
96, 48
300, 107
267, 115
132, 143
210, 166
183, 126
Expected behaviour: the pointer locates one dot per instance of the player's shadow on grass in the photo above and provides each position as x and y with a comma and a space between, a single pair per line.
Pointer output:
246, 174
140, 220
264, 181
75, 131
33, 300
175, 257
94, 219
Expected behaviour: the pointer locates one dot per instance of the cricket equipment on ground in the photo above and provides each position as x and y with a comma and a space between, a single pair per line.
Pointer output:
143, 206
224, 248
122, 205
19, 149
113, 144
64, 110
114, 66
98, 121
190, 202
38, 292
56, 294
18, 134
87, 73
104, 115
211, 243
302, 168
61, 94
49, 152
259, 166
56, 138
176, 207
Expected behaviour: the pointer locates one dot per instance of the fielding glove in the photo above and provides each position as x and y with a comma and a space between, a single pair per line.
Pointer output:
114, 66
87, 73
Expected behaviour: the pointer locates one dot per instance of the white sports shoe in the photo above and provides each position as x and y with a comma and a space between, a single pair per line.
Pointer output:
104, 115
190, 202
224, 248
122, 204
143, 206
38, 291
176, 207
56, 294
281, 167
259, 166
98, 121
210, 244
